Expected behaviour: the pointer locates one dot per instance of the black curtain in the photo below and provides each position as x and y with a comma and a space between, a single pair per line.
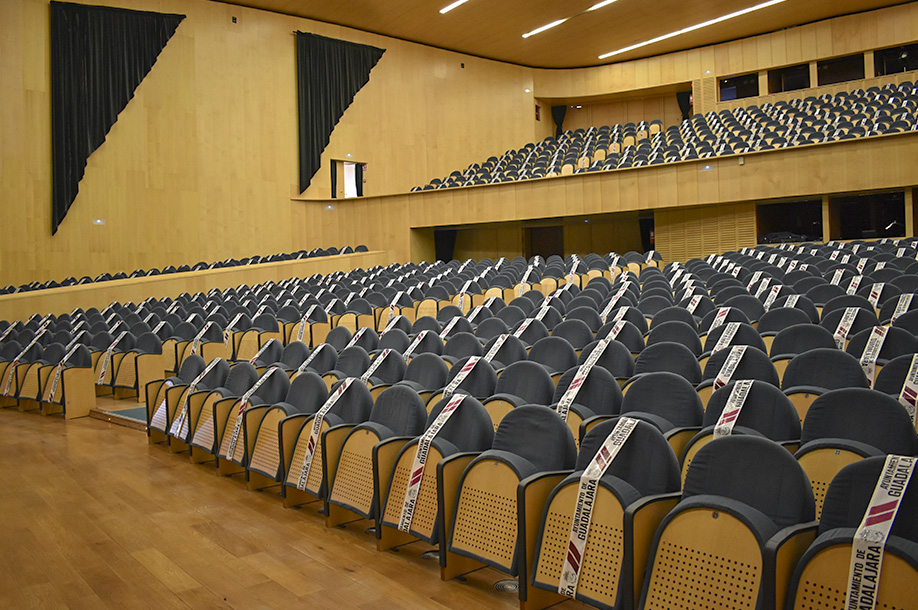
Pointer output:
358, 176
334, 180
557, 113
329, 74
99, 55
685, 103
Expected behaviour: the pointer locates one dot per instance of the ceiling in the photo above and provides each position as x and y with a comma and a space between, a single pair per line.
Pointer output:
493, 28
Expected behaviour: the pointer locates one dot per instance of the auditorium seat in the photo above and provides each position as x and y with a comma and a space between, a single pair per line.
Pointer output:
745, 515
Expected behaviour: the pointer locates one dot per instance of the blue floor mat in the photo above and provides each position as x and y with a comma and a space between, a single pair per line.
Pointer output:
136, 413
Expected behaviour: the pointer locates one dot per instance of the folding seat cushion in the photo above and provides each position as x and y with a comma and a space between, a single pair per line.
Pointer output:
352, 362
641, 479
846, 425
668, 401
522, 383
576, 332
736, 362
158, 419
139, 365
797, 301
193, 420
233, 448
676, 331
668, 357
349, 403
823, 575
484, 527
261, 426
553, 353
674, 314
746, 406
817, 371
503, 350
461, 345
615, 358
874, 347
628, 334
465, 432
847, 322
743, 497
398, 412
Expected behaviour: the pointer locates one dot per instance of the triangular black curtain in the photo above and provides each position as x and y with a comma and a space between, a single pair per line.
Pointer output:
329, 74
99, 55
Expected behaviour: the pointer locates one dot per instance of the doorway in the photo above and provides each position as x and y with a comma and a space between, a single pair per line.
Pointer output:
544, 241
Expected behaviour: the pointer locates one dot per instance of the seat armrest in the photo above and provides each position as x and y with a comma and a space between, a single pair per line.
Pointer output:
781, 554
385, 454
532, 496
587, 424
449, 474
332, 441
641, 520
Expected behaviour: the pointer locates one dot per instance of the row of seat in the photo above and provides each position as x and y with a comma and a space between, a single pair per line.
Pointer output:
809, 120
459, 549
230, 262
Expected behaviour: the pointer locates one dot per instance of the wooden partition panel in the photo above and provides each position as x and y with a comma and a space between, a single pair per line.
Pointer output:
698, 231
879, 163
63, 300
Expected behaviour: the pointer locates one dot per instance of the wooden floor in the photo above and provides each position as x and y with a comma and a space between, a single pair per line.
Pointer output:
93, 517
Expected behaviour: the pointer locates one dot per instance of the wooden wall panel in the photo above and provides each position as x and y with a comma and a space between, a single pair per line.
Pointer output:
662, 107
99, 295
202, 163
879, 163
682, 234
830, 38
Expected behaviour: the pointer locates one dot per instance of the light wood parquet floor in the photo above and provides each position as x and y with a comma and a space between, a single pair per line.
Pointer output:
93, 517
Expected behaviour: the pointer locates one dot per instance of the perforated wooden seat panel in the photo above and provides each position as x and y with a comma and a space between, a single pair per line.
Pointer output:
204, 428
602, 556
159, 420
314, 481
821, 466
227, 439
486, 517
354, 478
28, 387
426, 508
127, 372
705, 559
266, 453
825, 578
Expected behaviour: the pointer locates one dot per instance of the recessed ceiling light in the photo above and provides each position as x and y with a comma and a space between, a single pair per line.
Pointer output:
692, 28
447, 9
599, 5
528, 90
544, 27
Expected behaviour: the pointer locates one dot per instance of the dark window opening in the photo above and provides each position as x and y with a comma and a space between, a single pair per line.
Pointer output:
895, 60
840, 69
789, 221
870, 216
790, 78
737, 87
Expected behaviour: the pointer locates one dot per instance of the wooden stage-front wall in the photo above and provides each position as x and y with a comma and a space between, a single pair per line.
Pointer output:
63, 300
727, 187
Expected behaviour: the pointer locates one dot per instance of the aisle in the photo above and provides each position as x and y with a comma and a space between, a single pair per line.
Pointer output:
93, 517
